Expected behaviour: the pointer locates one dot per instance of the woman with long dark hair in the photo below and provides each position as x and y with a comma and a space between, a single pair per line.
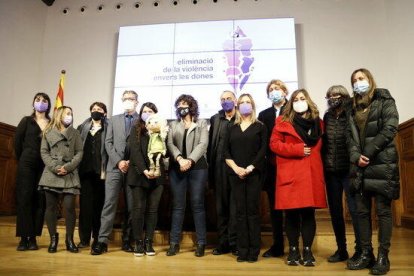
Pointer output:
146, 188
30, 202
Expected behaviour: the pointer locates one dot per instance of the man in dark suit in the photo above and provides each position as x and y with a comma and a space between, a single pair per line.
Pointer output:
276, 92
115, 144
225, 206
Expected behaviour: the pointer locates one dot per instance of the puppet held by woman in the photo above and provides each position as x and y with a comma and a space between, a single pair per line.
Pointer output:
157, 131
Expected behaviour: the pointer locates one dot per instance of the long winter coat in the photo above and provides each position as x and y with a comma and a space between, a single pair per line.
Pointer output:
61, 149
381, 175
299, 181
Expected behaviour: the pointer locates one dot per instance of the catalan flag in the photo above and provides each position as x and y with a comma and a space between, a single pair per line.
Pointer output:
59, 96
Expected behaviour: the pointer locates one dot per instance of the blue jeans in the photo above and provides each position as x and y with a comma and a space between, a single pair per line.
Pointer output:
195, 181
336, 184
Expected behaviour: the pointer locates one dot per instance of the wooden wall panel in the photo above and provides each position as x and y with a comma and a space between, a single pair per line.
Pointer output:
406, 151
8, 167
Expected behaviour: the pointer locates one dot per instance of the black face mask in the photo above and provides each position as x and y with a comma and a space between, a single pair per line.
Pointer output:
96, 115
334, 103
183, 111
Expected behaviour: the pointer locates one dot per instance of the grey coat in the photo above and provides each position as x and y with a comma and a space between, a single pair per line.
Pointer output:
116, 141
197, 140
57, 150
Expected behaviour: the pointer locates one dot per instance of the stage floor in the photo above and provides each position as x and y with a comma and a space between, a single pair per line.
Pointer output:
117, 262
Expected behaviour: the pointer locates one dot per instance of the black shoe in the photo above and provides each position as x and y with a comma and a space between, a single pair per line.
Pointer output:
99, 248
339, 256
365, 260
241, 259
149, 250
382, 265
273, 251
173, 250
308, 259
356, 255
83, 244
126, 246
70, 245
252, 259
221, 249
32, 244
54, 240
234, 250
200, 250
95, 241
294, 256
23, 244
139, 248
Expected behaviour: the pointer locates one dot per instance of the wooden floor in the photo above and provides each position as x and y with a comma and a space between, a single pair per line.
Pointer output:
117, 262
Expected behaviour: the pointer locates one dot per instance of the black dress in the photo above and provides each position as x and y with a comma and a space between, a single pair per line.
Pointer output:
30, 202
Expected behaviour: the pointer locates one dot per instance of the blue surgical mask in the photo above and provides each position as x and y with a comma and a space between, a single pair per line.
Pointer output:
361, 87
276, 96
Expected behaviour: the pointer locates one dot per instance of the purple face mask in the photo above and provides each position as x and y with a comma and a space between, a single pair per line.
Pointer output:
245, 108
40, 106
227, 105
145, 115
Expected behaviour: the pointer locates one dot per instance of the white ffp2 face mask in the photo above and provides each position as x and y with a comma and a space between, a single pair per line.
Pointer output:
300, 106
128, 105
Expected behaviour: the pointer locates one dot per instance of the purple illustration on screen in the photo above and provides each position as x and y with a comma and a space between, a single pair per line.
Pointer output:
237, 51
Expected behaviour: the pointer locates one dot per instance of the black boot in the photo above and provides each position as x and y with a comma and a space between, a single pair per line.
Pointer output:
357, 253
149, 250
32, 244
382, 265
340, 255
23, 244
99, 248
139, 248
365, 260
54, 240
70, 245
200, 250
173, 250
307, 258
294, 256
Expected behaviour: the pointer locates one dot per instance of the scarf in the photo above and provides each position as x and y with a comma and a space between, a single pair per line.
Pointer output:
308, 129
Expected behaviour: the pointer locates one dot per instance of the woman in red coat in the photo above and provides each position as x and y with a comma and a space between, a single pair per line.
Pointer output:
300, 185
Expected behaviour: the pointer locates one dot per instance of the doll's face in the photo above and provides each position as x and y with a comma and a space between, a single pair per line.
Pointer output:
153, 123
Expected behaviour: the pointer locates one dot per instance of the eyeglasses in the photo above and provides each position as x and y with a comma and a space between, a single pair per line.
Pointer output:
128, 99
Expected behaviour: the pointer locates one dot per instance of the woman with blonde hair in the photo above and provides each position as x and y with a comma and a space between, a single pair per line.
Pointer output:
245, 150
300, 186
61, 151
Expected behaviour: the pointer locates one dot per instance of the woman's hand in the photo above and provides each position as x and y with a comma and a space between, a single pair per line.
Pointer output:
306, 150
62, 171
148, 175
363, 161
241, 172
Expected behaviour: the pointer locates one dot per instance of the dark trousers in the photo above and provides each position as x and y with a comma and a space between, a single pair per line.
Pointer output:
195, 182
336, 185
384, 213
247, 197
91, 202
52, 199
300, 221
276, 216
225, 208
145, 203
30, 202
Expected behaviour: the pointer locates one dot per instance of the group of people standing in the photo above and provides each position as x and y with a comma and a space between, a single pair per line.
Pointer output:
287, 150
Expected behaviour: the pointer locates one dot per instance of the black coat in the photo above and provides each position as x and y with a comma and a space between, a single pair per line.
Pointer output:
268, 118
334, 148
139, 162
381, 175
